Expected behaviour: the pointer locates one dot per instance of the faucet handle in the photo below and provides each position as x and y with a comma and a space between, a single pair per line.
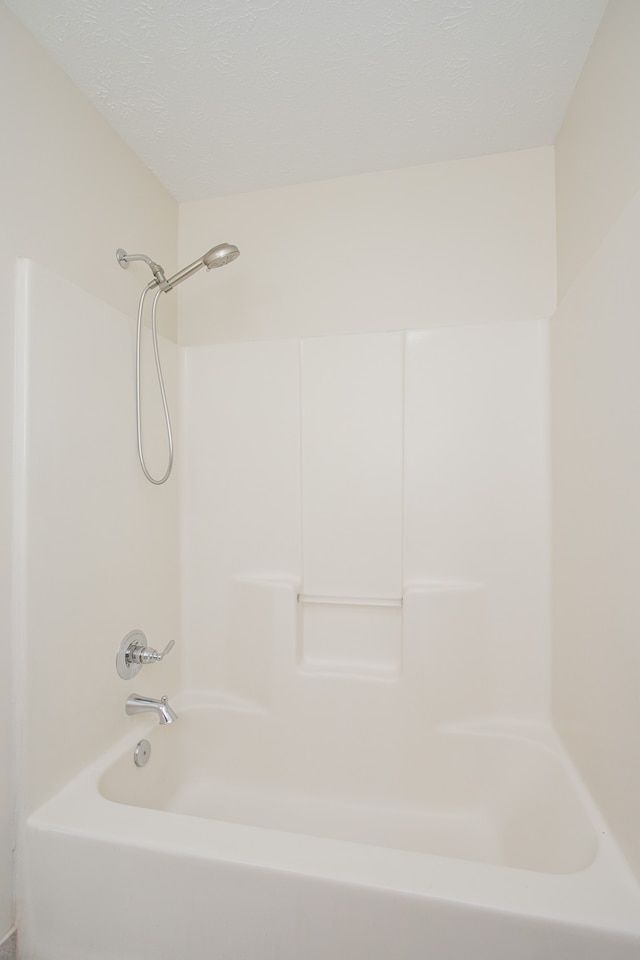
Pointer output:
133, 653
149, 655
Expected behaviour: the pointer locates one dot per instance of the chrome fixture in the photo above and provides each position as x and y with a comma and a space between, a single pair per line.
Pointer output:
133, 653
137, 704
142, 753
218, 256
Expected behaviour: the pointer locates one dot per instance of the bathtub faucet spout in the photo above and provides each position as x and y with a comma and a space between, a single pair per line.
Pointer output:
137, 704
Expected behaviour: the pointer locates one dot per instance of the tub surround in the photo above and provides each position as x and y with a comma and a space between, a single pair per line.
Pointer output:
103, 561
371, 670
404, 467
403, 473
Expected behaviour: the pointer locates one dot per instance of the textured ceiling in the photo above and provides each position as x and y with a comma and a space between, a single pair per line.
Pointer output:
227, 96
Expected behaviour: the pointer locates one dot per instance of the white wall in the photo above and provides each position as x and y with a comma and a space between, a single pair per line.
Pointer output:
598, 147
70, 193
595, 346
465, 242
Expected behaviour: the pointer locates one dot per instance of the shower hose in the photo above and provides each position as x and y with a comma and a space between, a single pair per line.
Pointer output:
156, 354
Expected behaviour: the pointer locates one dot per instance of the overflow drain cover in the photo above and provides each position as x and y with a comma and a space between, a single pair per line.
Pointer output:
142, 753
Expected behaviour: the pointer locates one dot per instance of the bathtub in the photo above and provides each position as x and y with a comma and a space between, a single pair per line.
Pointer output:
233, 843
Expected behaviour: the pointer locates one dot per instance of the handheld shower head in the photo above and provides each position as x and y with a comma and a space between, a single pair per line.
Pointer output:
216, 257
220, 255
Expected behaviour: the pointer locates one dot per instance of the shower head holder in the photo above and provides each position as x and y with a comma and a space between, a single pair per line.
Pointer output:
124, 259
218, 256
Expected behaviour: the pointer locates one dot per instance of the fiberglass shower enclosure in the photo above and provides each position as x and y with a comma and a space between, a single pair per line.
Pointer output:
359, 530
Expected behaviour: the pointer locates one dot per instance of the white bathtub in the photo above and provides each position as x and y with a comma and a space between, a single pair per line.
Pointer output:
234, 843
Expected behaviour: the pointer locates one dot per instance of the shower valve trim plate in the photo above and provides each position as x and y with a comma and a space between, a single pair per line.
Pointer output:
133, 653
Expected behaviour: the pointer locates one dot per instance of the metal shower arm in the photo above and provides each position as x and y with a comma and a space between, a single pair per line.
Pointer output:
124, 259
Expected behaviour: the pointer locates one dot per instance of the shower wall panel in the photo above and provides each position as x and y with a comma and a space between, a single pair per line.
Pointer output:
351, 503
352, 465
404, 468
240, 487
476, 492
96, 545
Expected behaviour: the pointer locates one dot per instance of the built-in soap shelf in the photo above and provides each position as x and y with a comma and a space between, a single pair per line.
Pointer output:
350, 601
353, 636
